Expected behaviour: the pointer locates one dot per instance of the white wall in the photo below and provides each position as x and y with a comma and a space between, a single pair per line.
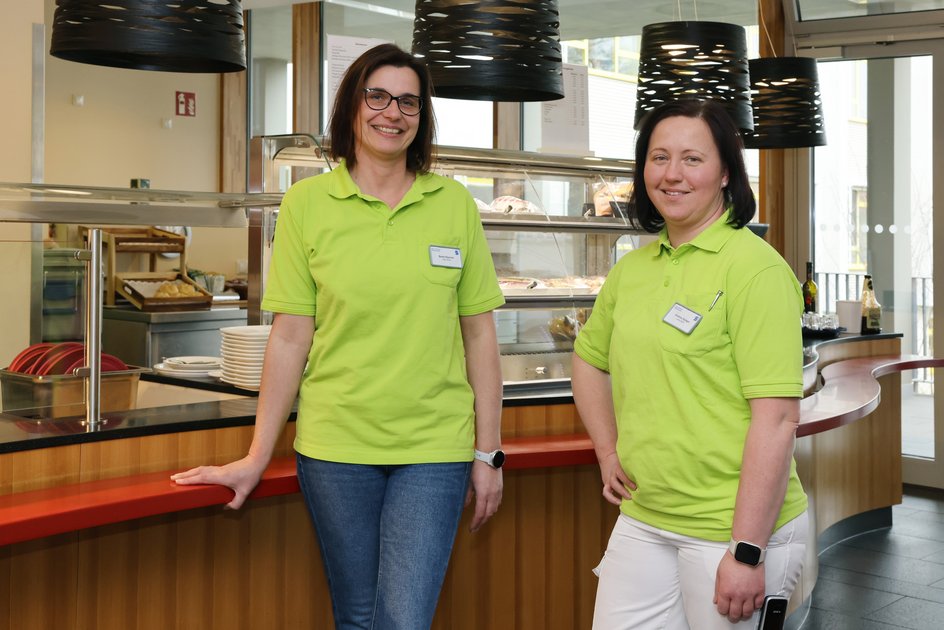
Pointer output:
15, 106
119, 134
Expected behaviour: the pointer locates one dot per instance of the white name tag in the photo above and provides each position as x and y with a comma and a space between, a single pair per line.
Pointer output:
445, 257
682, 318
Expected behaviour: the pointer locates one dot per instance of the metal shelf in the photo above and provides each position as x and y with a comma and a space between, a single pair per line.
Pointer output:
310, 151
548, 223
549, 301
50, 203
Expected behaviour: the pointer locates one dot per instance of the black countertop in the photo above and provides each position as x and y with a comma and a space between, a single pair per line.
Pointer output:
23, 431
20, 431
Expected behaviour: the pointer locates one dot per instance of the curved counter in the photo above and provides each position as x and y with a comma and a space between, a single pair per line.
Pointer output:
105, 510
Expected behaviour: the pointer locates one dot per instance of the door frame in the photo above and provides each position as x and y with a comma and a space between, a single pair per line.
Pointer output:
915, 470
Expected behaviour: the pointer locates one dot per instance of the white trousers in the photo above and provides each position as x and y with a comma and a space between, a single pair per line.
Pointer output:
651, 579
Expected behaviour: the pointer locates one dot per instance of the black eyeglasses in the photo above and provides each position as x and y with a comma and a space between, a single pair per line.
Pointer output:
378, 99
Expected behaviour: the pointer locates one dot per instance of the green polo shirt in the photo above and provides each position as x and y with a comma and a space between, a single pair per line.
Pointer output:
386, 378
681, 399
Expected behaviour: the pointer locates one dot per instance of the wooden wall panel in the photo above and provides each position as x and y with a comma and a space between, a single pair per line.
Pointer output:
845, 485
306, 64
234, 130
832, 352
530, 558
35, 470
529, 568
195, 560
771, 197
33, 571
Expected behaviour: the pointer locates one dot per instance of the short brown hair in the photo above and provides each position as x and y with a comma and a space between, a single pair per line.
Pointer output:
351, 93
727, 139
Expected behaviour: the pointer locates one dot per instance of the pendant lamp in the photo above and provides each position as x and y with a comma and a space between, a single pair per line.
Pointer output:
788, 108
172, 36
701, 60
491, 50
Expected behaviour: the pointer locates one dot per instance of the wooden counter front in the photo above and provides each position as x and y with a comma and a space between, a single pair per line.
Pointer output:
528, 568
259, 567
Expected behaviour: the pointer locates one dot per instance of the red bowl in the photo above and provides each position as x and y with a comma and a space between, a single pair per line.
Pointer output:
46, 359
49, 362
111, 363
60, 364
25, 359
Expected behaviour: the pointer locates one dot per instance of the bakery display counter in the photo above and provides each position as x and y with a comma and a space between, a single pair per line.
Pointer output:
850, 392
95, 517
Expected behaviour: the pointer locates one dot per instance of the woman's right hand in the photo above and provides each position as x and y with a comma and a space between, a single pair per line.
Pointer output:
616, 484
241, 476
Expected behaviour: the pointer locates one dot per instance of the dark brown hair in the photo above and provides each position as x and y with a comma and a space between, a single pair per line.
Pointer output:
727, 139
350, 95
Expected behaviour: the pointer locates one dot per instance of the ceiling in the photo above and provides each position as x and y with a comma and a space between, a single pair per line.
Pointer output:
579, 19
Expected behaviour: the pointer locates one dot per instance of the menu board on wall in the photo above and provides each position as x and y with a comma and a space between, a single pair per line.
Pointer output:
565, 123
341, 53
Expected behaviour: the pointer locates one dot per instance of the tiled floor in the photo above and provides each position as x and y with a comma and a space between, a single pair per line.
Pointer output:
886, 579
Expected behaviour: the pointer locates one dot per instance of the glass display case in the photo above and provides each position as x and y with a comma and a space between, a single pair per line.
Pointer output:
58, 365
555, 226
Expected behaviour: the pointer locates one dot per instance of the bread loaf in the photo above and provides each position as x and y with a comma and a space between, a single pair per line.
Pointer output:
176, 290
606, 193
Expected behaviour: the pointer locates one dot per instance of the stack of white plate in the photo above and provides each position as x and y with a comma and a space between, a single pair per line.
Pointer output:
243, 348
188, 367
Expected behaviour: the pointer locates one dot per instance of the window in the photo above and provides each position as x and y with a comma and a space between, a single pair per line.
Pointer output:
858, 228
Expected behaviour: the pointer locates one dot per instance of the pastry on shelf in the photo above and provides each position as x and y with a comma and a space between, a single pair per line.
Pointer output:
566, 327
512, 205
512, 286
610, 197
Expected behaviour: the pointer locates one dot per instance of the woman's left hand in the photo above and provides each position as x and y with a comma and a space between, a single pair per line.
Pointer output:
487, 487
739, 588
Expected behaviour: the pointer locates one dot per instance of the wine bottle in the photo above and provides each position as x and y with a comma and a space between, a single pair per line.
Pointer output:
871, 309
810, 290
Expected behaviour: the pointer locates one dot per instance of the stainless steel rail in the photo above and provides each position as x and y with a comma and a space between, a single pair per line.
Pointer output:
93, 332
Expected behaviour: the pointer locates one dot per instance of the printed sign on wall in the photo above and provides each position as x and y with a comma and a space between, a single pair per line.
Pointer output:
565, 123
341, 53
186, 104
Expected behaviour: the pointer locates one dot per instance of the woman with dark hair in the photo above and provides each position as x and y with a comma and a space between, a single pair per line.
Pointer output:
737, 192
688, 378
383, 285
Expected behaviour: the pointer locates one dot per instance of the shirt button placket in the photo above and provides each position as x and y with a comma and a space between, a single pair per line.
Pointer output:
670, 271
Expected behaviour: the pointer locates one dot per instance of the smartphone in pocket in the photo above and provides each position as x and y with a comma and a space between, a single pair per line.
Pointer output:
773, 613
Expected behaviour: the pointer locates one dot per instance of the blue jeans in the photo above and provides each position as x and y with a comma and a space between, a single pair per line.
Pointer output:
386, 534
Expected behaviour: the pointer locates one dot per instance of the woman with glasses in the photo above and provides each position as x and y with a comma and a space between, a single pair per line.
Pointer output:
383, 285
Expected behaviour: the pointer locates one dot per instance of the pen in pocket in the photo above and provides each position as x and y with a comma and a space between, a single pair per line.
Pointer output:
717, 297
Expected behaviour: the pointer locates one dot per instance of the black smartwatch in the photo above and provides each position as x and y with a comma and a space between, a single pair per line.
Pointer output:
747, 553
495, 459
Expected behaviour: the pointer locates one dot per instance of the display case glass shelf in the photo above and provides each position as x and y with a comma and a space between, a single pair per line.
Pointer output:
555, 226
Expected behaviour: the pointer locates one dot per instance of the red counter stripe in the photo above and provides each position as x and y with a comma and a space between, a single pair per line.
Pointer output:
40, 513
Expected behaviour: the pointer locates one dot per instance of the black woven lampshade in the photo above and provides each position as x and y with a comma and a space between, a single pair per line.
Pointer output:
701, 60
168, 35
491, 50
788, 109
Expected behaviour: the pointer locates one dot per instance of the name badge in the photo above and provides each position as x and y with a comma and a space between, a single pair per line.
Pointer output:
682, 318
445, 257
